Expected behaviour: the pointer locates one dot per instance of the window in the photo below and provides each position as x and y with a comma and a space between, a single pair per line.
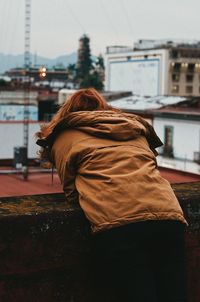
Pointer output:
175, 89
189, 77
175, 77
177, 67
174, 54
189, 89
168, 141
191, 67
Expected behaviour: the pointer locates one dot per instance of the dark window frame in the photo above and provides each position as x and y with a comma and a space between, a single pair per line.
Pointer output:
168, 141
175, 77
175, 90
189, 89
189, 77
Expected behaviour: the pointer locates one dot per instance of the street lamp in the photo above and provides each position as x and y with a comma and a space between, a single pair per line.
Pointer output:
42, 72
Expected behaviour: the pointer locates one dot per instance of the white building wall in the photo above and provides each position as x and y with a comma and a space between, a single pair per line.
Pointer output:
164, 74
186, 136
17, 97
143, 72
11, 135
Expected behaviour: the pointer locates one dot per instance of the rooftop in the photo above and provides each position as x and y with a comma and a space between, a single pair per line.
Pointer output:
178, 165
41, 182
187, 107
141, 103
38, 183
165, 43
148, 44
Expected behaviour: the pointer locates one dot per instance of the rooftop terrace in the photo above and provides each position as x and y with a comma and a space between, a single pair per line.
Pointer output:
41, 182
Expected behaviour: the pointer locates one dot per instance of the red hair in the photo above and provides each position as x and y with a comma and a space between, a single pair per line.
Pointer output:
82, 100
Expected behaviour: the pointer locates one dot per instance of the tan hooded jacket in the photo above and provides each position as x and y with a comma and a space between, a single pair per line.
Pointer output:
107, 160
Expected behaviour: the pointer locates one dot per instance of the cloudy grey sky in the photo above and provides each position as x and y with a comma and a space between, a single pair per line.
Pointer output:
58, 24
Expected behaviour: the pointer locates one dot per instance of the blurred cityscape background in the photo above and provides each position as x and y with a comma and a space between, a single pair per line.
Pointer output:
141, 57
144, 57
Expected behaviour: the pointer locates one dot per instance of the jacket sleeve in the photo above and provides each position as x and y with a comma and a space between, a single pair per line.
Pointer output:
150, 134
68, 181
69, 177
66, 166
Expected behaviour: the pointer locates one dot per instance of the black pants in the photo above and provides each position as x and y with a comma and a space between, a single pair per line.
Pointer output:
142, 262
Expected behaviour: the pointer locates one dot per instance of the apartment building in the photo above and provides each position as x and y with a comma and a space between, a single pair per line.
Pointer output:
178, 126
153, 68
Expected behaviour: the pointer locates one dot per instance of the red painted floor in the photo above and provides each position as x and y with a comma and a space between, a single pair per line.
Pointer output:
40, 183
174, 176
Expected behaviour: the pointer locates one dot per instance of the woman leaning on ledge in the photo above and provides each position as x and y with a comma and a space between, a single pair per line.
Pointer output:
106, 161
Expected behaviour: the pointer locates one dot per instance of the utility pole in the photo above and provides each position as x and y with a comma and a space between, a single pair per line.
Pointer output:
27, 65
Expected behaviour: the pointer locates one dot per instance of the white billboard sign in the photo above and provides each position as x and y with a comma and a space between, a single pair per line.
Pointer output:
139, 76
16, 112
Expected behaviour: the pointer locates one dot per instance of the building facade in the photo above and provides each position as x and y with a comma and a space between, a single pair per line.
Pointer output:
155, 68
8, 97
179, 129
11, 136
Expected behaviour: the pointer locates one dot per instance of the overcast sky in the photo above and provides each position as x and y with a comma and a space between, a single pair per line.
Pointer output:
56, 25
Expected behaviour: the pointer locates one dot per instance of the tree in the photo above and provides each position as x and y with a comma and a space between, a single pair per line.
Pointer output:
89, 73
71, 69
84, 63
92, 80
100, 69
100, 62
3, 83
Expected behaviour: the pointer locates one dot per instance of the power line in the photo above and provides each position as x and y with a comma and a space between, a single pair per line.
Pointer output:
13, 31
126, 16
9, 29
75, 17
5, 10
104, 9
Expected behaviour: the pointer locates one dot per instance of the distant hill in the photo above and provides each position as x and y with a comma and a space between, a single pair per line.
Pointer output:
8, 61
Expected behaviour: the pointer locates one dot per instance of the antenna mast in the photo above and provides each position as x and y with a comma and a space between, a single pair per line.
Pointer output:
27, 64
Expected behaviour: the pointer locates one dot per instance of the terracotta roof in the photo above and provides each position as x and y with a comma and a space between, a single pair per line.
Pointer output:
191, 106
40, 183
176, 176
179, 110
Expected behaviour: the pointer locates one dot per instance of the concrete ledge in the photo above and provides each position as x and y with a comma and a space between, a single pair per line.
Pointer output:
45, 248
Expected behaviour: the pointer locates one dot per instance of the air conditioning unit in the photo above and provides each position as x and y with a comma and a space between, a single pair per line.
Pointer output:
20, 157
197, 157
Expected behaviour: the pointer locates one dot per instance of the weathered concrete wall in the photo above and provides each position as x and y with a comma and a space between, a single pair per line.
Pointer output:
189, 198
15, 138
45, 249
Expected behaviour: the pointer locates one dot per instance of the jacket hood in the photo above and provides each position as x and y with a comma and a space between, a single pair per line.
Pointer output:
107, 124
